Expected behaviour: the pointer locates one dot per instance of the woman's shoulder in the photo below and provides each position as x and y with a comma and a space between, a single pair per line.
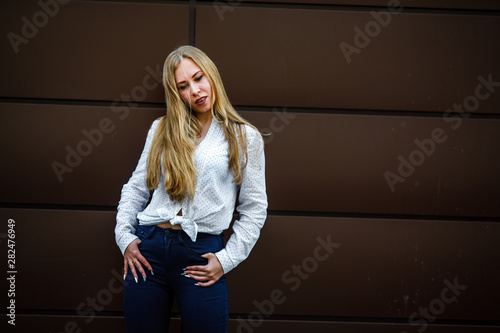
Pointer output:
152, 129
252, 134
156, 122
251, 130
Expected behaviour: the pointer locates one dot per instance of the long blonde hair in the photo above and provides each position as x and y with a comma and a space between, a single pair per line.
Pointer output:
174, 141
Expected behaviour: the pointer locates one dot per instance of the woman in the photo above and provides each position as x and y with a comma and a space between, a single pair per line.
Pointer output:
197, 159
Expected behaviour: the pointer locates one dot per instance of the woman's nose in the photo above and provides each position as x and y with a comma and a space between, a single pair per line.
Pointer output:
195, 89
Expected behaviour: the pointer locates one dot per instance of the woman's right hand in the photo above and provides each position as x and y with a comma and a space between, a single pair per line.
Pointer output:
133, 258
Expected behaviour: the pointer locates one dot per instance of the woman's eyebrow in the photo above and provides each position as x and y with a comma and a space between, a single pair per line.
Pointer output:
195, 74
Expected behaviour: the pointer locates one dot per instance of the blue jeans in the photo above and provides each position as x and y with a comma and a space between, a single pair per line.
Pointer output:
148, 305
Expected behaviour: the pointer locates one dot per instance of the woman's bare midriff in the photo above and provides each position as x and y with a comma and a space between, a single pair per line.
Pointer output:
168, 225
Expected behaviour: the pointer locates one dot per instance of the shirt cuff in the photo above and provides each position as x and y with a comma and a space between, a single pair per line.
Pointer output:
225, 261
125, 241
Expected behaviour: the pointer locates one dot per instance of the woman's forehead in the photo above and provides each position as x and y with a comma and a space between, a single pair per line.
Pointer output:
186, 69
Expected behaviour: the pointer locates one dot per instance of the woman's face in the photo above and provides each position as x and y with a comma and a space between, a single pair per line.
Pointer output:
193, 86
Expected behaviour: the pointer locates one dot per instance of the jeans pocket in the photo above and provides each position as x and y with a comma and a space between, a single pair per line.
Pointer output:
203, 244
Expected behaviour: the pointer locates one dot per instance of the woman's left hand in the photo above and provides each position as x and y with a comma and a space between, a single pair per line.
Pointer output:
207, 274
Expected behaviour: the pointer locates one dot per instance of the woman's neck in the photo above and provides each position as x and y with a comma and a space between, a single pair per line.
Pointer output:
205, 118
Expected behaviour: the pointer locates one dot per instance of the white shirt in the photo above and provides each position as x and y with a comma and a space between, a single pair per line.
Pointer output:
212, 207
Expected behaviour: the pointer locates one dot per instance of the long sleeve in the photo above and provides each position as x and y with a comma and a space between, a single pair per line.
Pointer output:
252, 206
134, 197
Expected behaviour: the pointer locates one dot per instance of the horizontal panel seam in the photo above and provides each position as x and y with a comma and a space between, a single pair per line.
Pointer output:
305, 6
277, 213
255, 108
356, 8
274, 318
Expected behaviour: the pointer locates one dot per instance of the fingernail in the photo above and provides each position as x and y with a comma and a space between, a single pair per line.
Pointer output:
152, 273
123, 276
196, 284
136, 281
144, 278
186, 275
184, 269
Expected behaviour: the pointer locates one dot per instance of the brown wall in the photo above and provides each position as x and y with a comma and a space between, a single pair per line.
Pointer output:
364, 155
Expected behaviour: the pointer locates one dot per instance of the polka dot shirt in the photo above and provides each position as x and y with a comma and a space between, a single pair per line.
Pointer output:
212, 207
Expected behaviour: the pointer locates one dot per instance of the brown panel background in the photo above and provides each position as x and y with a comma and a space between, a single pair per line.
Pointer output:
334, 267
54, 137
345, 172
90, 50
336, 128
407, 66
345, 169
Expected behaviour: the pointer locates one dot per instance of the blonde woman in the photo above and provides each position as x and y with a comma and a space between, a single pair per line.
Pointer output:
197, 159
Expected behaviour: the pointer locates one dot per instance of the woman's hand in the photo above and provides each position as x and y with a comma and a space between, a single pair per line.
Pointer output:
133, 258
208, 274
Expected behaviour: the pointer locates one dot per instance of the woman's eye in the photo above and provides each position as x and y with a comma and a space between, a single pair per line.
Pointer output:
198, 78
182, 87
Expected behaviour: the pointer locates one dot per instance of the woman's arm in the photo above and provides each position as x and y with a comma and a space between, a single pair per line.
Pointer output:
253, 212
252, 206
134, 197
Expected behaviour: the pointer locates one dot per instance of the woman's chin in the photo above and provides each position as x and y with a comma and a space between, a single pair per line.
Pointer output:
201, 111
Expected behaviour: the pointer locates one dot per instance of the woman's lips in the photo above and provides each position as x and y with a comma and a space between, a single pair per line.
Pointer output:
201, 101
